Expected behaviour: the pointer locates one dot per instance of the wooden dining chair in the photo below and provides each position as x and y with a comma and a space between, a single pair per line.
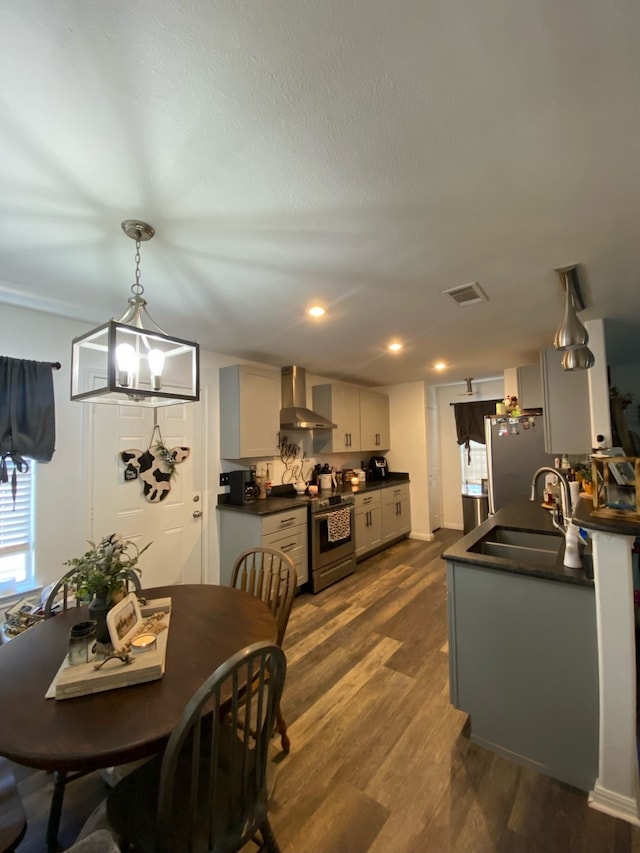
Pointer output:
69, 598
13, 821
270, 575
208, 791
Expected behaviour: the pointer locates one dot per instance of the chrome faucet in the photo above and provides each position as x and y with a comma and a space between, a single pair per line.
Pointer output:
562, 518
564, 488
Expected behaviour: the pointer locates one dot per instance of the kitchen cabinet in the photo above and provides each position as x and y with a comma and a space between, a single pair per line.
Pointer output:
374, 421
286, 531
396, 512
523, 665
341, 404
567, 420
249, 411
368, 515
362, 417
526, 383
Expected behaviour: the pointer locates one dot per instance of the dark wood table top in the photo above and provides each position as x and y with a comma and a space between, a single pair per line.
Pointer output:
208, 625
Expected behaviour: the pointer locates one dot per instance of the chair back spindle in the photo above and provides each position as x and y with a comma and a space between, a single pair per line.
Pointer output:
270, 575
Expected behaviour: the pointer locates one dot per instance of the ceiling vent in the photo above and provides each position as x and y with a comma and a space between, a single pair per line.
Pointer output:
467, 294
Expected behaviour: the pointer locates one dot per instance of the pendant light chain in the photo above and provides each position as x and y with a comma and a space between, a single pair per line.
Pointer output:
137, 289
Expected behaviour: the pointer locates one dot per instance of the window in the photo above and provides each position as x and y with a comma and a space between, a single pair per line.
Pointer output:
16, 545
475, 471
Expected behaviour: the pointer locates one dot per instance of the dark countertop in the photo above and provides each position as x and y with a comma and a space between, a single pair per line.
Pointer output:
271, 505
622, 524
266, 506
520, 514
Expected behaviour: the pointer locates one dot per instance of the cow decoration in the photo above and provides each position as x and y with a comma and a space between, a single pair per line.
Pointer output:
155, 466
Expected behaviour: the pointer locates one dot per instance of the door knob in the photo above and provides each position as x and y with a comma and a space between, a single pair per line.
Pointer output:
197, 513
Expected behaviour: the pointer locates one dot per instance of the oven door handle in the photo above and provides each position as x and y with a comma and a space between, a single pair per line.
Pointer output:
324, 516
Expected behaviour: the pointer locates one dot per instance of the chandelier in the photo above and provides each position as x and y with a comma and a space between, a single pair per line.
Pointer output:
572, 337
132, 361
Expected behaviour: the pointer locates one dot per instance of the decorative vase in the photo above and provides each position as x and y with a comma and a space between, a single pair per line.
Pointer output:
98, 610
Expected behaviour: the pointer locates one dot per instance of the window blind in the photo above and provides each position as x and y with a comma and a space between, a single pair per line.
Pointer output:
15, 529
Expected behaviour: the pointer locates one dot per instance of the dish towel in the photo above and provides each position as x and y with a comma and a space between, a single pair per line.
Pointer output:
339, 525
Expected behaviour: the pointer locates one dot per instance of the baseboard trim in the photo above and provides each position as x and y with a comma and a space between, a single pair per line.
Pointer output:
614, 804
422, 537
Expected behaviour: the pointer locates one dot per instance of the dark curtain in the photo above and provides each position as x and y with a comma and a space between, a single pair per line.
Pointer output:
470, 421
27, 414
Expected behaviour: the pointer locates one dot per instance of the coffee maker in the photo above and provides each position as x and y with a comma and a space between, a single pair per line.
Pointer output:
243, 488
378, 468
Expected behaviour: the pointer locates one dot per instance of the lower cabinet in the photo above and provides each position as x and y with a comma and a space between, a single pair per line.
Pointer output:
382, 517
285, 531
396, 512
368, 522
523, 665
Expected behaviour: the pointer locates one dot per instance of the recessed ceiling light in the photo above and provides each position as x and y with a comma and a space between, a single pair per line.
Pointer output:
395, 346
316, 311
439, 365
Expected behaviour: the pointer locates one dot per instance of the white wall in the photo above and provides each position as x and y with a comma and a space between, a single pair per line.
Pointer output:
407, 407
451, 472
598, 383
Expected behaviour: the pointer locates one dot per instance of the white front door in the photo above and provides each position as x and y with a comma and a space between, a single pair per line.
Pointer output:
174, 525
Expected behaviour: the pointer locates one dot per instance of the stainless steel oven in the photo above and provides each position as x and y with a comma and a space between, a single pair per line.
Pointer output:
332, 548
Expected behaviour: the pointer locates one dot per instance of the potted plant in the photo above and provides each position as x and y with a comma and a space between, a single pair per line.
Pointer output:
101, 573
585, 474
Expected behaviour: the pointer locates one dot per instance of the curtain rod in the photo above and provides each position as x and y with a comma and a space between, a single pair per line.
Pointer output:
54, 365
479, 401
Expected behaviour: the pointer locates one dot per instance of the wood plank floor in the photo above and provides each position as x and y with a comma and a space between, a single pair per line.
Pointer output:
380, 761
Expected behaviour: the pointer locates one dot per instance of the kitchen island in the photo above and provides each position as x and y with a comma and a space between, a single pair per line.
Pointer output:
523, 645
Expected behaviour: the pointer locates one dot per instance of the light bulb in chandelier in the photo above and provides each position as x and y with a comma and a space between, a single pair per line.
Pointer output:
127, 361
156, 363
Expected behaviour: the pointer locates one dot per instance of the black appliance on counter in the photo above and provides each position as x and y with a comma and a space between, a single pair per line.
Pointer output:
378, 467
243, 488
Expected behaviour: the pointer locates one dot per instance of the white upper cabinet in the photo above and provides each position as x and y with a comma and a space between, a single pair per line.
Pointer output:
362, 417
565, 408
341, 404
374, 421
526, 383
249, 411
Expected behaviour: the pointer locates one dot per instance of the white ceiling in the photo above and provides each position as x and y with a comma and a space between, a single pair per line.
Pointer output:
368, 154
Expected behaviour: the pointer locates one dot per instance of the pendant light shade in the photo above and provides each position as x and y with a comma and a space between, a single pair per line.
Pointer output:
578, 358
572, 337
132, 361
571, 333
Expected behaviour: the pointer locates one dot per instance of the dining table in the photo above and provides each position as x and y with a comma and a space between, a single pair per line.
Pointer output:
208, 624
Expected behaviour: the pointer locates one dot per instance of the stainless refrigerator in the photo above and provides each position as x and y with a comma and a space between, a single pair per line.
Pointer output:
515, 450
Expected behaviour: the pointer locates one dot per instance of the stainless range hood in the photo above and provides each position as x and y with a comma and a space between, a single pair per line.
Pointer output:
294, 413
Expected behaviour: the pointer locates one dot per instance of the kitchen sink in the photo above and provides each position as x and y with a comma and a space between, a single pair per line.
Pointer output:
521, 546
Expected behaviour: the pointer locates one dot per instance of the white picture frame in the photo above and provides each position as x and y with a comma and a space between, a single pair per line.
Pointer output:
124, 620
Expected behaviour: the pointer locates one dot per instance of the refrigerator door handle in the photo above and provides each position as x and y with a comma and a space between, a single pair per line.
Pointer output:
488, 436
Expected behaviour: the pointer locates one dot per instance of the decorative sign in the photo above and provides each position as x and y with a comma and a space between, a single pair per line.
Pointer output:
156, 466
130, 473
